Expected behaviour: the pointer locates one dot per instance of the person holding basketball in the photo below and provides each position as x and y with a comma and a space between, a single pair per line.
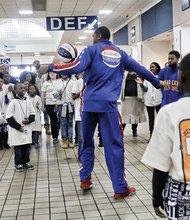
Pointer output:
104, 65
169, 153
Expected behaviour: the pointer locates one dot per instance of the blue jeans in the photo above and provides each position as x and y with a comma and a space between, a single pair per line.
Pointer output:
66, 124
35, 137
46, 120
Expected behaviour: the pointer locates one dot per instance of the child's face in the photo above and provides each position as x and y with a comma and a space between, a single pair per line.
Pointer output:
6, 78
26, 84
28, 78
1, 83
20, 90
36, 64
32, 91
52, 75
64, 76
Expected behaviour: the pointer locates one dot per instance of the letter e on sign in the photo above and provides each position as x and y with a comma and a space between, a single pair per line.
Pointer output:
68, 22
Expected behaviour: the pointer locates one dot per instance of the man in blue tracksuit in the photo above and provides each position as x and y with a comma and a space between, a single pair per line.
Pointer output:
169, 75
104, 66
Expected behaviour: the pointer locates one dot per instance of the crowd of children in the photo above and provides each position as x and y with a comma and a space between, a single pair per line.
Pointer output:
21, 107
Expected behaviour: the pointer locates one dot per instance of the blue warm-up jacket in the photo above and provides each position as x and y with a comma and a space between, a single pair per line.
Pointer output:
170, 93
104, 65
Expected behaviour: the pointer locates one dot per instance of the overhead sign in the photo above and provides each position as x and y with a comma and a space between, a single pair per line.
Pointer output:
185, 4
9, 47
5, 61
133, 34
71, 23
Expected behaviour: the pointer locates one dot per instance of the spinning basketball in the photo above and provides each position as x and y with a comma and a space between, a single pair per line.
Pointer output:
67, 53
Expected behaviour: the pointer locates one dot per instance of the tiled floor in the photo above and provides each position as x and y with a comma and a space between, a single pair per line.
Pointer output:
52, 191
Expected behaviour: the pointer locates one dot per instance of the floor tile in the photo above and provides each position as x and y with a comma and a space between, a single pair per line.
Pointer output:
52, 190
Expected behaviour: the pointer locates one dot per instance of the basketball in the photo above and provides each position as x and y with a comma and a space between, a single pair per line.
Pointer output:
66, 53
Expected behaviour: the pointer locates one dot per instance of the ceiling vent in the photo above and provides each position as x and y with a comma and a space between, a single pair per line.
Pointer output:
39, 5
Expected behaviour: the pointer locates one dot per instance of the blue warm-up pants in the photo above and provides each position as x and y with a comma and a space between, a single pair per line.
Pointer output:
113, 147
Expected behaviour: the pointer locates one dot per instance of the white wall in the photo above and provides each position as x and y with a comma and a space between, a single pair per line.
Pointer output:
185, 42
181, 39
136, 52
134, 23
177, 38
179, 16
30, 60
155, 51
126, 48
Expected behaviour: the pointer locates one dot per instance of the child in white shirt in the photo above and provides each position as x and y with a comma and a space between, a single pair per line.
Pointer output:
20, 114
37, 104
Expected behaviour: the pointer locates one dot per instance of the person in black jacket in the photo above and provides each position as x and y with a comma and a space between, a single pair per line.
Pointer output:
132, 107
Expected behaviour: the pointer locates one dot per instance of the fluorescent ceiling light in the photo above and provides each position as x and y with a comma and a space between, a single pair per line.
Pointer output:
25, 12
37, 54
3, 53
15, 22
22, 30
78, 42
105, 12
82, 37
88, 31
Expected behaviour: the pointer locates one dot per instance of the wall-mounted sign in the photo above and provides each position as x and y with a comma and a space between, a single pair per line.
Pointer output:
5, 61
133, 34
185, 4
9, 47
71, 23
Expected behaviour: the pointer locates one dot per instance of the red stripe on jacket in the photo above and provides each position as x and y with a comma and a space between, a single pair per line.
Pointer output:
65, 66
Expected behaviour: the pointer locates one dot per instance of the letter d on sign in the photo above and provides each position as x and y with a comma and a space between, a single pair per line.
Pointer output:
55, 23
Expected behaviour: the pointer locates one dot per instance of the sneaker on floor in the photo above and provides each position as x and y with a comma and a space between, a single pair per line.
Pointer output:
36, 146
86, 184
135, 134
28, 166
48, 132
70, 144
19, 167
7, 146
129, 192
55, 141
65, 143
